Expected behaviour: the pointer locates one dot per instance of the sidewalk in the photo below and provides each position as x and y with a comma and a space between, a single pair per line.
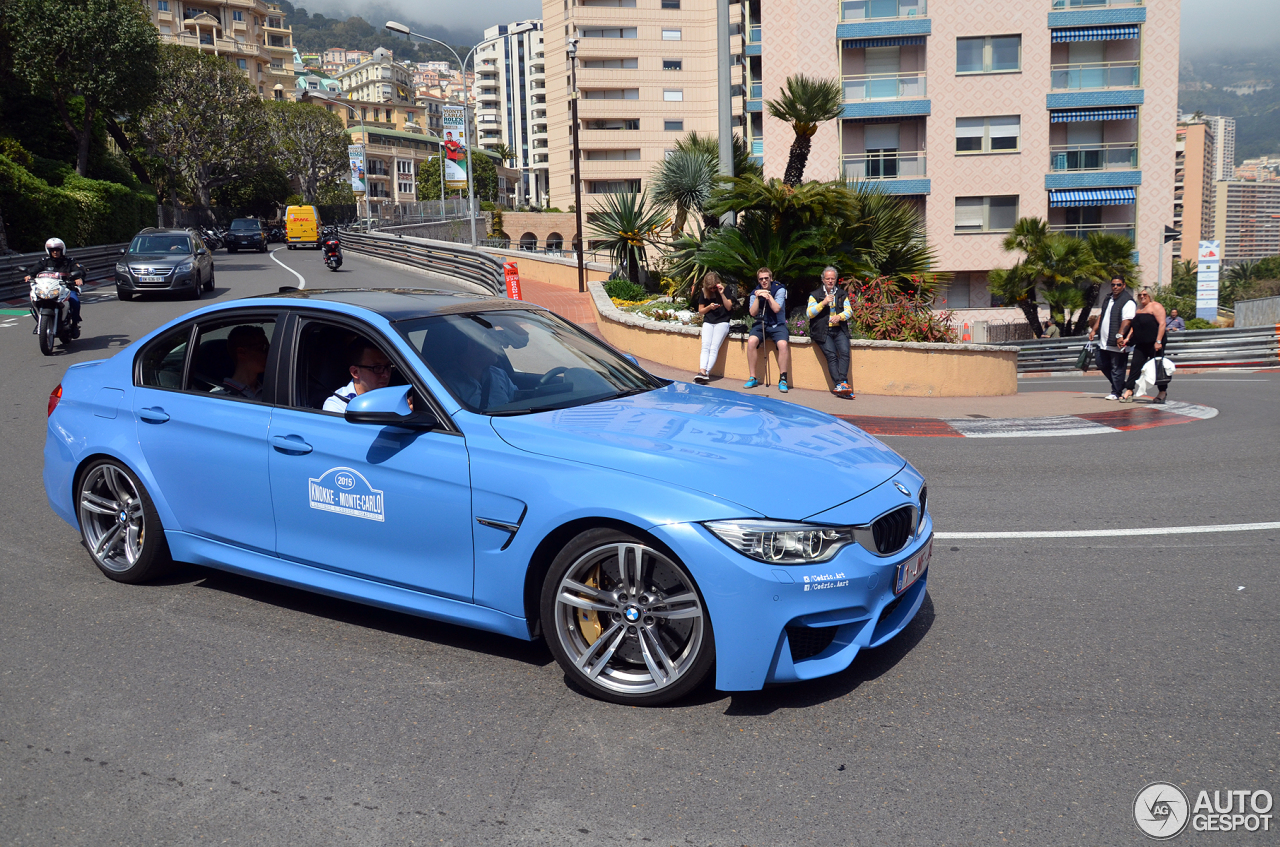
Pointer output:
1031, 413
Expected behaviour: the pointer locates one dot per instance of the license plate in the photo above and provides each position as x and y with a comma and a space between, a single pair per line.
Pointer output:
150, 279
910, 570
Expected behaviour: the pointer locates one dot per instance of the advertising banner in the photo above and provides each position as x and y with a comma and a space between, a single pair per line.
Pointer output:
1210, 262
512, 274
452, 121
355, 153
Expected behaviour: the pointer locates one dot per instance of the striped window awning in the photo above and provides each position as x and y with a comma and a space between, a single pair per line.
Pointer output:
1092, 197
1065, 116
897, 41
1095, 33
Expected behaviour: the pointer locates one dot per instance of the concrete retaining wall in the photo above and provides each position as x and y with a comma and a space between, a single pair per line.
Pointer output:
1265, 311
552, 270
876, 367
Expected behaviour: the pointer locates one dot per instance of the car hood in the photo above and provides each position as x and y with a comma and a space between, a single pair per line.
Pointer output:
158, 260
775, 458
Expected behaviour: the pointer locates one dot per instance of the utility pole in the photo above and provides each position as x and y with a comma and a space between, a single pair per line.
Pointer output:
724, 80
572, 47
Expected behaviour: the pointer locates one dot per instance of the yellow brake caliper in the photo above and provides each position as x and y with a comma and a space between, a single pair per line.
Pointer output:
589, 621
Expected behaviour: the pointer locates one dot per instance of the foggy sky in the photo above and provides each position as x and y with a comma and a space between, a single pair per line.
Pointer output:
1211, 25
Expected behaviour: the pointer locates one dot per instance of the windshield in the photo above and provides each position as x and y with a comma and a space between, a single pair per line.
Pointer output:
245, 223
517, 362
161, 244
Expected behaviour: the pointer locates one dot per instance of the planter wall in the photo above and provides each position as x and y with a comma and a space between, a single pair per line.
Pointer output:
876, 367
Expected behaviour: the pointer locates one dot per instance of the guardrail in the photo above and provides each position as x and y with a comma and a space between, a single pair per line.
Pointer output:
1202, 348
440, 257
99, 262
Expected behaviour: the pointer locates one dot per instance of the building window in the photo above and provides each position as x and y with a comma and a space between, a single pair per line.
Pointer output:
608, 64
611, 94
989, 135
237, 15
162, 5
613, 186
405, 187
673, 126
671, 35
612, 32
671, 4
986, 214
611, 155
630, 123
993, 54
242, 64
673, 95
672, 65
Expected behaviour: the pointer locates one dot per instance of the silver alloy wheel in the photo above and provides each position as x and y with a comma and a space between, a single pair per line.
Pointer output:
629, 618
112, 518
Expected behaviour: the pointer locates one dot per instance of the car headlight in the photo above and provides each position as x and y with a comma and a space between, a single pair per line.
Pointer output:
184, 267
123, 270
783, 542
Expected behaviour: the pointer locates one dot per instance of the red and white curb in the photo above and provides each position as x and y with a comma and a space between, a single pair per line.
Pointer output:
1124, 419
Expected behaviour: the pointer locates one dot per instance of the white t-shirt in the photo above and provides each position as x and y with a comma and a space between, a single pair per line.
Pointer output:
1126, 314
338, 400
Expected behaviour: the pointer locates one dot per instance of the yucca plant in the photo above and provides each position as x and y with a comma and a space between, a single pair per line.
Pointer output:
683, 180
806, 104
625, 224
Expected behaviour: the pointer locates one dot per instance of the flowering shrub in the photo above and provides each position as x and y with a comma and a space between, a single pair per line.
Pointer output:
884, 312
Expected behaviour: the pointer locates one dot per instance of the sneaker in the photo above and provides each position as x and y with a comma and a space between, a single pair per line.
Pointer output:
1111, 397
782, 385
751, 383
701, 379
843, 390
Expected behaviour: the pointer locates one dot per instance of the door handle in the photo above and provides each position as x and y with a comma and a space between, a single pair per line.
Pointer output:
290, 444
153, 414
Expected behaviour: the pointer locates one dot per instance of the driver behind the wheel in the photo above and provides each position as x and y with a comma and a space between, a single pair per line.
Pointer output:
478, 381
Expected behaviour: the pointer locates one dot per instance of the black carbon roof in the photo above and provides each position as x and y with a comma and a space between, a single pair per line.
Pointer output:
398, 304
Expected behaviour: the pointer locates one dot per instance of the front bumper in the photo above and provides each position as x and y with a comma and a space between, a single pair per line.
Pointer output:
787, 623
171, 281
247, 242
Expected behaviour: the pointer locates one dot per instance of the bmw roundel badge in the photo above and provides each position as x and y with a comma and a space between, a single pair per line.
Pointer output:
901, 488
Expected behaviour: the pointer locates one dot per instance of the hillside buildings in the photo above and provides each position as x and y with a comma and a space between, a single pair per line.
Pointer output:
511, 103
1247, 220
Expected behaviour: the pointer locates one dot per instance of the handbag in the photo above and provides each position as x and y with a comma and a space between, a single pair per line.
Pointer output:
1085, 360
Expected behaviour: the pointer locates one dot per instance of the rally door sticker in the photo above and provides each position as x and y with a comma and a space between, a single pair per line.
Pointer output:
347, 492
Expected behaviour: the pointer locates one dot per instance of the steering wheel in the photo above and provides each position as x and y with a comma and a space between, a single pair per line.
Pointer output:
552, 374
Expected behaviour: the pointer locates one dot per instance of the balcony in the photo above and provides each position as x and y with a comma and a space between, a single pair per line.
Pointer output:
1095, 75
893, 171
881, 10
757, 147
1094, 157
754, 34
863, 87
860, 19
1065, 13
1085, 230
755, 91
1061, 5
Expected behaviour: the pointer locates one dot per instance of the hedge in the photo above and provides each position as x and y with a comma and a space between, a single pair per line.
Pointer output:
82, 212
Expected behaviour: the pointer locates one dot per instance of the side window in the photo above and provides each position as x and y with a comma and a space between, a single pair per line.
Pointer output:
230, 358
163, 358
336, 363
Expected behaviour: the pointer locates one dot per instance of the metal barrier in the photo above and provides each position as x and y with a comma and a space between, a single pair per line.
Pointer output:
99, 262
440, 257
1203, 348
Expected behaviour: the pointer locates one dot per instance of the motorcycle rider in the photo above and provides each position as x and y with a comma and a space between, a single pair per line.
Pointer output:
58, 261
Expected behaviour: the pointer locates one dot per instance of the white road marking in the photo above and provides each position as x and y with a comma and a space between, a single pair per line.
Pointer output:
302, 283
1110, 533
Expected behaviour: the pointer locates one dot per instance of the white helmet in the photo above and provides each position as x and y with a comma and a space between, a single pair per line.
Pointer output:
55, 243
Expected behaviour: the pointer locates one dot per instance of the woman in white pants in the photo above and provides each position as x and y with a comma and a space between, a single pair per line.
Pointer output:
714, 306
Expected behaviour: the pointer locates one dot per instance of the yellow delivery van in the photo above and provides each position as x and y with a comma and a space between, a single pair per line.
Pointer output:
302, 226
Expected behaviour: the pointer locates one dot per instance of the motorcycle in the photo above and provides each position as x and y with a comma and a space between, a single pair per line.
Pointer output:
332, 248
211, 239
51, 309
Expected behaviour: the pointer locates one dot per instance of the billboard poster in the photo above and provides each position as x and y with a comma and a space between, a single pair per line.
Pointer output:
1209, 264
355, 153
452, 121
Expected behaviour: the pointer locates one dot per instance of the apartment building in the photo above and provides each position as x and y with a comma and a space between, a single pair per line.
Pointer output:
251, 34
1224, 157
1246, 219
511, 102
647, 76
1261, 169
1193, 192
377, 79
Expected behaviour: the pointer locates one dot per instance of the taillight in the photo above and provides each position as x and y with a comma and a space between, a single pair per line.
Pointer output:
54, 396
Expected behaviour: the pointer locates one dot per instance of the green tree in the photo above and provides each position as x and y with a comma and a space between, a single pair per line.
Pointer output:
1184, 278
311, 144
710, 145
256, 195
683, 180
103, 52
806, 104
485, 179
1112, 259
207, 126
503, 152
625, 224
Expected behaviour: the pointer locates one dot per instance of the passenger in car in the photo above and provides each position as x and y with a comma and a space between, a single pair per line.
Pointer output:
478, 380
248, 347
370, 369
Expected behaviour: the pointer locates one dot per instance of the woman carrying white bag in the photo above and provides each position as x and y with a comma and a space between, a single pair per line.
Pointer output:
1146, 334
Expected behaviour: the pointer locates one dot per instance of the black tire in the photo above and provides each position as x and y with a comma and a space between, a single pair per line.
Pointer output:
119, 524
121, 294
44, 330
648, 638
231, 249
194, 292
208, 283
290, 246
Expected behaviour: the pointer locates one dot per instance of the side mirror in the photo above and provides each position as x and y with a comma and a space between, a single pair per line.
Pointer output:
389, 407
632, 359
202, 252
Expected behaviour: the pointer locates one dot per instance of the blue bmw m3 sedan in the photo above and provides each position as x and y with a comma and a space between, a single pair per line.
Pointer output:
481, 461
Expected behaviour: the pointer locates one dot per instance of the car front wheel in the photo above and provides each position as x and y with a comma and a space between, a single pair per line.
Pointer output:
626, 621
119, 524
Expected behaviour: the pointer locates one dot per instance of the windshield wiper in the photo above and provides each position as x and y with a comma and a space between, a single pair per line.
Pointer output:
506, 413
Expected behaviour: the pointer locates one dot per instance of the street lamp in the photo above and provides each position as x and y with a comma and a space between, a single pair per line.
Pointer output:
400, 28
571, 46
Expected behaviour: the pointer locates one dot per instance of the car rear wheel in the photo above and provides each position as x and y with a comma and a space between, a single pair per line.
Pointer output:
119, 524
625, 620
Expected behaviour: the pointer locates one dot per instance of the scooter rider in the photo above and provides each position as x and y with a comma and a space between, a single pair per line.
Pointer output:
58, 261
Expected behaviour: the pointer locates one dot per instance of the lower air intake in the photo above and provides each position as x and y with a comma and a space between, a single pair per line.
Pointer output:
807, 642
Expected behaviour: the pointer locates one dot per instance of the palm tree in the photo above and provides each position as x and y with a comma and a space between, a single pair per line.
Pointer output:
788, 208
1062, 269
806, 104
710, 145
625, 224
887, 238
503, 152
1112, 259
738, 251
1183, 283
683, 180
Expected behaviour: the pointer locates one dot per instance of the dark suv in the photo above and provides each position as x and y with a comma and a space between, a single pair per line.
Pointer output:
246, 234
165, 260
